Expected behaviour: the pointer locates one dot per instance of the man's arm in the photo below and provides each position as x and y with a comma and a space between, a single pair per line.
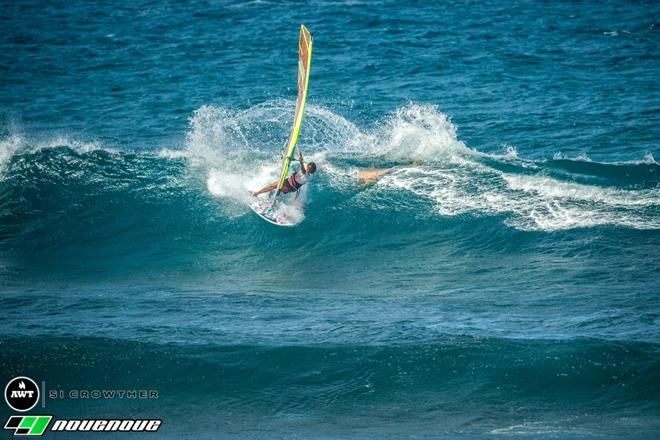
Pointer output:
302, 163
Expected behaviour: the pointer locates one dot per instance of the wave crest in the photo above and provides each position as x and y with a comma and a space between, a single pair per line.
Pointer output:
434, 173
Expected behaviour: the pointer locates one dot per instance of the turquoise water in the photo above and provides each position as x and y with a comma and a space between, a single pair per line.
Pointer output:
501, 282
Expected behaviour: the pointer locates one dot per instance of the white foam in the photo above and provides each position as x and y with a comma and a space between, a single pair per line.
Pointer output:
553, 189
413, 133
16, 143
231, 149
548, 204
433, 164
541, 428
74, 144
23, 143
529, 202
510, 152
8, 147
173, 154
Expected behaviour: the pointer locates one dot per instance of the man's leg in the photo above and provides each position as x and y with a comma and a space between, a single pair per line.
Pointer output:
267, 188
368, 176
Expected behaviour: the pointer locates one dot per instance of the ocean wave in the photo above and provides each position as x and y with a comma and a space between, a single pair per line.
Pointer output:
285, 378
226, 153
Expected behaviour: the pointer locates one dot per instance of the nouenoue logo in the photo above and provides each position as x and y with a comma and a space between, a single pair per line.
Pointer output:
28, 425
21, 394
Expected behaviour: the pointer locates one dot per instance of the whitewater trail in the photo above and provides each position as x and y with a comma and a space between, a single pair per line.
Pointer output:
236, 151
429, 161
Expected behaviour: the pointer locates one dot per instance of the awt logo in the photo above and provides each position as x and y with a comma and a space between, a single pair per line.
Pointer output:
21, 394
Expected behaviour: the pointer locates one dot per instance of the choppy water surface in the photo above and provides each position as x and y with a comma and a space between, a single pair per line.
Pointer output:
501, 281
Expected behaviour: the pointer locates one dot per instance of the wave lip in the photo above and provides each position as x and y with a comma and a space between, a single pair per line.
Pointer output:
231, 152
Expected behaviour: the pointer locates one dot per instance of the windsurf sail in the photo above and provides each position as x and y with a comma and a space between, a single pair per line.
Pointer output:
304, 64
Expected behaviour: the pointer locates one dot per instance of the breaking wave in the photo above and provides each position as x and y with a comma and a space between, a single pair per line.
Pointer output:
65, 191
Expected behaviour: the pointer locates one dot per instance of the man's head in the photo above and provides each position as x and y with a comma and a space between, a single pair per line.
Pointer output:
311, 168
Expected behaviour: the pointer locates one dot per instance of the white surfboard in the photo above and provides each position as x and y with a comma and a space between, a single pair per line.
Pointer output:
272, 213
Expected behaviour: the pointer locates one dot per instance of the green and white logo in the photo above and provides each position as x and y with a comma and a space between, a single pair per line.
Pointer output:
28, 425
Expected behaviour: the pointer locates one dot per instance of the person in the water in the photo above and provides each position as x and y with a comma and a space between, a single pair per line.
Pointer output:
294, 181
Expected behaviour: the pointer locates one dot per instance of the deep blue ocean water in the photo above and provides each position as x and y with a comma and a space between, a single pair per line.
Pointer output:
502, 282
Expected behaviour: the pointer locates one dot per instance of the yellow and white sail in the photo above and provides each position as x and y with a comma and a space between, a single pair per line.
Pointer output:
304, 64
